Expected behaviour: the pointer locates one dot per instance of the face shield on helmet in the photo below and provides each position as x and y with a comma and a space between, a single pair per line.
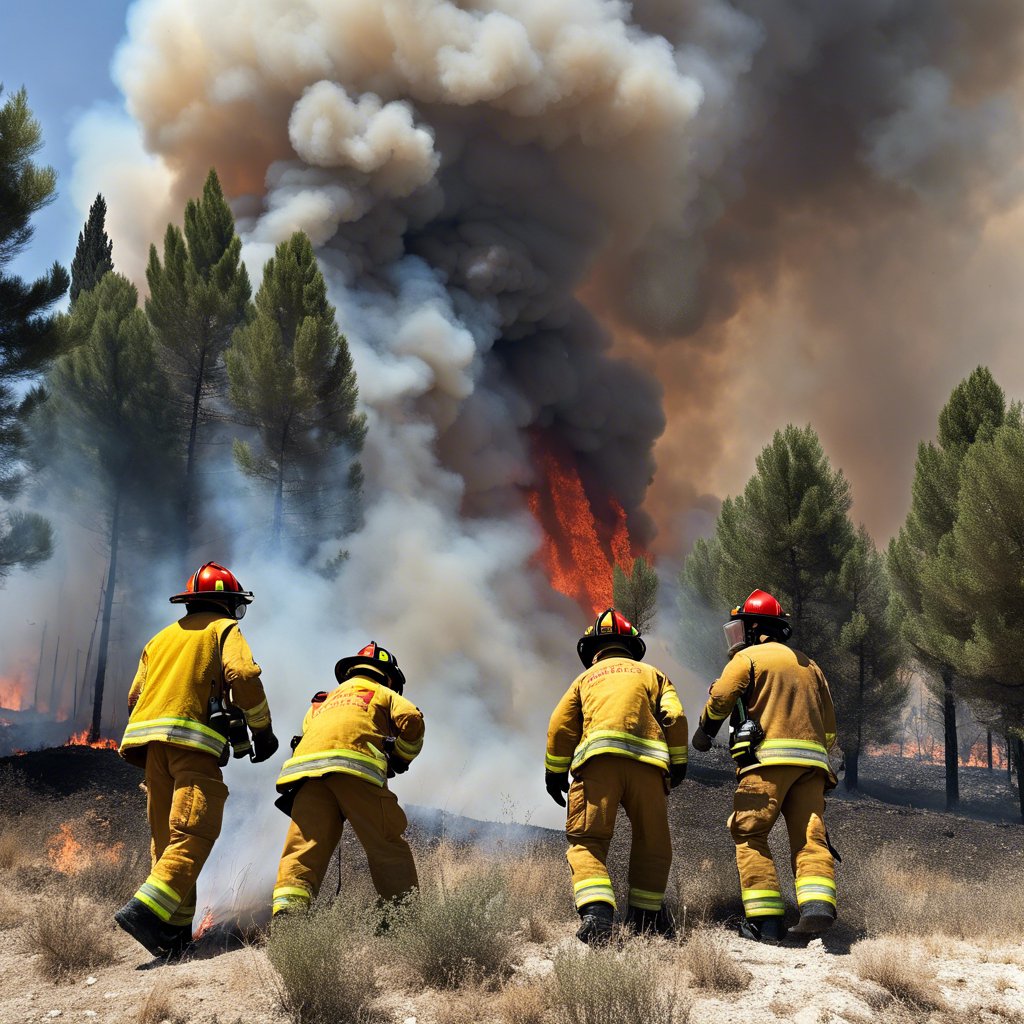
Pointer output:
735, 634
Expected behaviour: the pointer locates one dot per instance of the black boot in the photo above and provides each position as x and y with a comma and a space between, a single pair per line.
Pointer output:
596, 923
816, 916
651, 922
769, 930
181, 943
146, 928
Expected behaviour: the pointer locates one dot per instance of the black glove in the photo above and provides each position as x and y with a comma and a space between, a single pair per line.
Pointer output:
295, 741
557, 783
701, 740
396, 765
676, 774
264, 745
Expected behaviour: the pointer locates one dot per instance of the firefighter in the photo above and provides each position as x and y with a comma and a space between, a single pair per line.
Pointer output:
621, 731
193, 677
782, 726
353, 740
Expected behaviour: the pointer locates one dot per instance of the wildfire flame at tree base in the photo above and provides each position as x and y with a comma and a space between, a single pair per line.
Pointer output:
81, 739
579, 549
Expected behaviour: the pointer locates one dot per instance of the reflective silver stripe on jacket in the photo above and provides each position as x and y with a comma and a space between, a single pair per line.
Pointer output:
792, 755
183, 735
613, 745
293, 771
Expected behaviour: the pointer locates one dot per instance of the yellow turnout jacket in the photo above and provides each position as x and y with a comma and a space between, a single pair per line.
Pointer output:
617, 706
200, 656
344, 731
787, 694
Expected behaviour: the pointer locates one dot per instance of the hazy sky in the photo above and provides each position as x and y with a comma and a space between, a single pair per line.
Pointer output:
60, 51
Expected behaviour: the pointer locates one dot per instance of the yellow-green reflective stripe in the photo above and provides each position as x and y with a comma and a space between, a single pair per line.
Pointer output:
594, 890
291, 890
556, 764
160, 911
188, 723
412, 748
754, 894
815, 887
642, 899
609, 742
348, 761
763, 903
801, 744
713, 717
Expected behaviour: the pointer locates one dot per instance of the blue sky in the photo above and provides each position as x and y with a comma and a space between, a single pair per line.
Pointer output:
60, 50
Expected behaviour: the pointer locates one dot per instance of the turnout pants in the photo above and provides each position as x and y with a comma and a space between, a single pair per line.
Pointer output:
319, 813
600, 785
798, 793
185, 807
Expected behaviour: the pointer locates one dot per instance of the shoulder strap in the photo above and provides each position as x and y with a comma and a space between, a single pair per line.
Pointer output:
744, 698
221, 638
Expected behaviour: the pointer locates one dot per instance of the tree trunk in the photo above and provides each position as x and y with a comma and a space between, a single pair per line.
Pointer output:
850, 778
1019, 752
952, 758
989, 738
108, 605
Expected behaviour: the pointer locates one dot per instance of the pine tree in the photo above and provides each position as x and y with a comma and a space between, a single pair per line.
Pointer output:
932, 625
871, 689
199, 294
29, 337
93, 254
980, 568
291, 378
636, 594
110, 411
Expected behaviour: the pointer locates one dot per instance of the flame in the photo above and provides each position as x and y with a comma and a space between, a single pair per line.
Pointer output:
933, 753
576, 561
68, 856
11, 691
81, 739
205, 924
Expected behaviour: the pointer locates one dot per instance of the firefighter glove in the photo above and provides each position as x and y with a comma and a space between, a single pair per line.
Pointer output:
397, 765
264, 744
295, 741
557, 783
701, 740
676, 774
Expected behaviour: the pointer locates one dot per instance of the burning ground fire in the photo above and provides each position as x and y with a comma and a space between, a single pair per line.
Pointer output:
81, 739
68, 856
579, 549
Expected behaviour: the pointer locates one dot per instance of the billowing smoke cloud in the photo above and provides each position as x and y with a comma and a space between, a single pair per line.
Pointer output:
556, 217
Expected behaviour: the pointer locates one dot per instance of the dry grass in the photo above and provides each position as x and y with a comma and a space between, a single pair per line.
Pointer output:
461, 926
70, 936
704, 893
540, 886
113, 879
12, 911
609, 986
896, 893
159, 1007
891, 965
705, 955
325, 962
523, 1004
13, 849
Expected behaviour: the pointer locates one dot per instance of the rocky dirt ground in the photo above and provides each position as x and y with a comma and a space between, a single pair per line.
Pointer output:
932, 897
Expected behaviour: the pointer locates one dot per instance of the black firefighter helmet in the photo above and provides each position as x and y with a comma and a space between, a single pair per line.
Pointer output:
373, 656
610, 629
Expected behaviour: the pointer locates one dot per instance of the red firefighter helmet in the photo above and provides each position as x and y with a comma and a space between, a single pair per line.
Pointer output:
213, 581
760, 613
375, 657
610, 629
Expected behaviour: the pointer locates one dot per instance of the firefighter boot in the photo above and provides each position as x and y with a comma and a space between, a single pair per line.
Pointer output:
651, 922
146, 928
596, 924
816, 916
769, 930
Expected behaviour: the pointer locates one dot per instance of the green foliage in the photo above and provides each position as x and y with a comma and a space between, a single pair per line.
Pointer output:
29, 337
636, 594
788, 533
291, 379
198, 295
93, 252
871, 691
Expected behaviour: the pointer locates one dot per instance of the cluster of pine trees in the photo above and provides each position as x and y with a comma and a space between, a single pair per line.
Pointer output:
945, 600
106, 406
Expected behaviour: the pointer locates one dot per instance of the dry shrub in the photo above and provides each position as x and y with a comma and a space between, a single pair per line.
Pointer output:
472, 1004
159, 1007
523, 1004
113, 878
70, 936
539, 883
609, 986
460, 927
325, 962
705, 893
890, 964
705, 955
13, 850
12, 910
897, 893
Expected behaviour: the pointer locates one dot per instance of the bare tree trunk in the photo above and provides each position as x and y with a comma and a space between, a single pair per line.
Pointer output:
108, 605
53, 681
39, 667
989, 738
850, 779
952, 758
1019, 752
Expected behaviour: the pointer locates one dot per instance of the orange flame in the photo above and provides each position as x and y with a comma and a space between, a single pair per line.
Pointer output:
572, 554
81, 739
933, 753
11, 697
205, 924
68, 856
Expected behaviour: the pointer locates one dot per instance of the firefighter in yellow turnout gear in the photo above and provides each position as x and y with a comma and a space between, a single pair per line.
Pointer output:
353, 740
783, 726
621, 731
188, 673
